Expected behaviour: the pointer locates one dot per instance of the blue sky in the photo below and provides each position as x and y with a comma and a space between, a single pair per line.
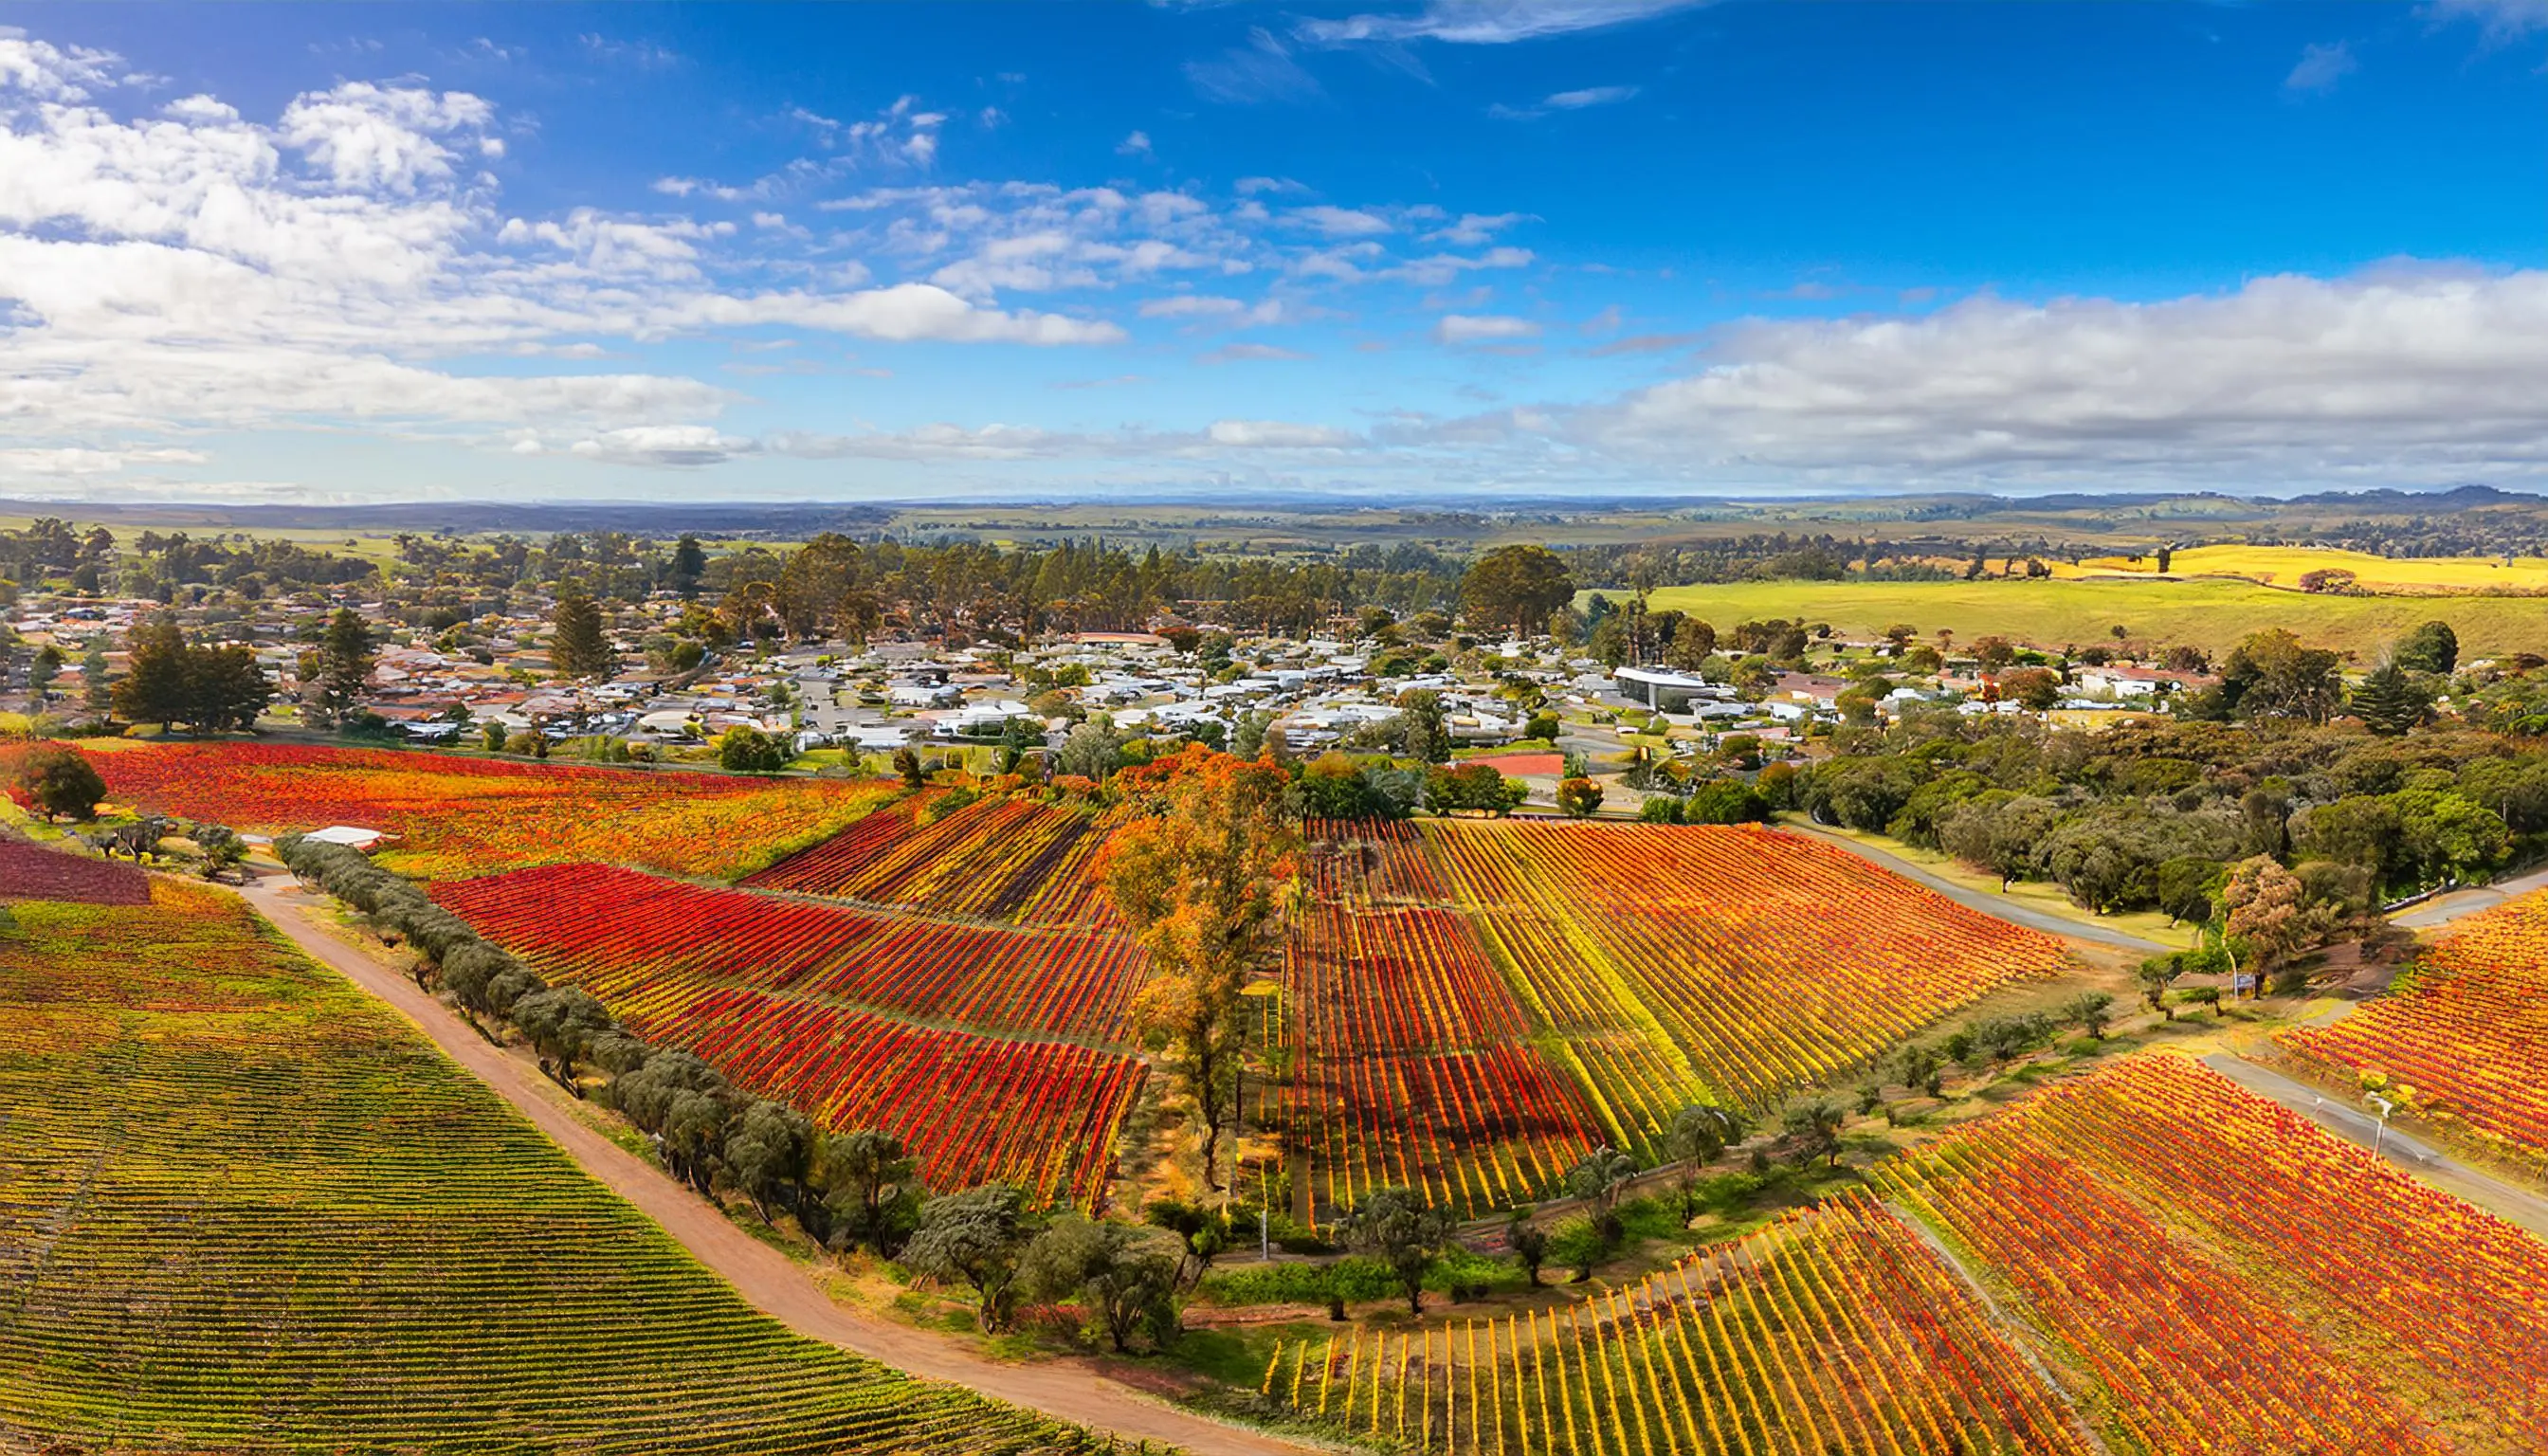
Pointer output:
1532, 247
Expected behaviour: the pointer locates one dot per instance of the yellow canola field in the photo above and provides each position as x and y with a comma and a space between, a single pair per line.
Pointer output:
2284, 566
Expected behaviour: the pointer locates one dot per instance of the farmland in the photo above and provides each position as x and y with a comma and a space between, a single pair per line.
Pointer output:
2465, 1036
245, 1209
1717, 948
775, 993
2211, 613
2284, 566
467, 816
998, 857
2340, 1307
29, 872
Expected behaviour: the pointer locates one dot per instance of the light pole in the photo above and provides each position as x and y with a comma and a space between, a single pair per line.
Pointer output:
2379, 1135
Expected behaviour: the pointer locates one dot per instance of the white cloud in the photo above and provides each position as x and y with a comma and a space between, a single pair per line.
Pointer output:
1011, 442
663, 445
1262, 70
1589, 96
2321, 66
1246, 352
372, 139
1275, 435
1191, 306
1474, 228
1137, 144
1251, 186
2395, 376
1336, 222
2502, 20
1488, 21
78, 461
190, 268
1471, 328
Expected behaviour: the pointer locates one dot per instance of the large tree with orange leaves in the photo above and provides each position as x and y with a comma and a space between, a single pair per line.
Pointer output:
1205, 876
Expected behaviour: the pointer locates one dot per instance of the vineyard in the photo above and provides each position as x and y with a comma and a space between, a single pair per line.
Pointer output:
1739, 963
244, 1208
29, 872
1415, 1070
1001, 859
468, 816
1831, 1330
782, 994
2194, 1270
2467, 1032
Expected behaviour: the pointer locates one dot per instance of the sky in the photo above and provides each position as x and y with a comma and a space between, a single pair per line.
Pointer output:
1390, 250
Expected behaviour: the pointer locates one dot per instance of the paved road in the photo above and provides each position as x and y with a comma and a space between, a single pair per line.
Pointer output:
2507, 1200
1068, 1389
2458, 904
1984, 901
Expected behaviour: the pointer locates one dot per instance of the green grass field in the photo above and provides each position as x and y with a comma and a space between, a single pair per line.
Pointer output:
2213, 614
245, 1209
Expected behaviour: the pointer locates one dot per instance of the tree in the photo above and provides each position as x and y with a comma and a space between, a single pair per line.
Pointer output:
770, 1150
1697, 1135
1422, 734
1692, 643
979, 1236
690, 564
2035, 689
907, 766
2262, 900
1122, 1277
1813, 1129
225, 688
1519, 586
1994, 654
872, 1186
2090, 1011
560, 1024
1579, 797
2431, 648
580, 648
97, 692
60, 781
1597, 1183
1091, 750
1202, 879
47, 666
344, 664
744, 749
2270, 674
2389, 702
153, 690
1396, 1227
2157, 975
1204, 1231
1471, 786
1527, 1240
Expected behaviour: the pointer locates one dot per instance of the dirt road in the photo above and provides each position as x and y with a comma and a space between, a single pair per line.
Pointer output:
1067, 1389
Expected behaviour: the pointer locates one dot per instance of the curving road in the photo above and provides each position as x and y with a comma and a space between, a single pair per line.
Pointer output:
1068, 1389
2441, 910
2507, 1200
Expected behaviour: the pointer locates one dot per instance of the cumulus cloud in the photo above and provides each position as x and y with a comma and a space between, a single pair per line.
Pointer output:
2502, 20
2398, 375
1136, 145
1472, 328
663, 445
191, 268
1488, 22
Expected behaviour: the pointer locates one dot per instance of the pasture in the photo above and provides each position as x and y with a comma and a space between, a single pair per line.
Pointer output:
2212, 613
